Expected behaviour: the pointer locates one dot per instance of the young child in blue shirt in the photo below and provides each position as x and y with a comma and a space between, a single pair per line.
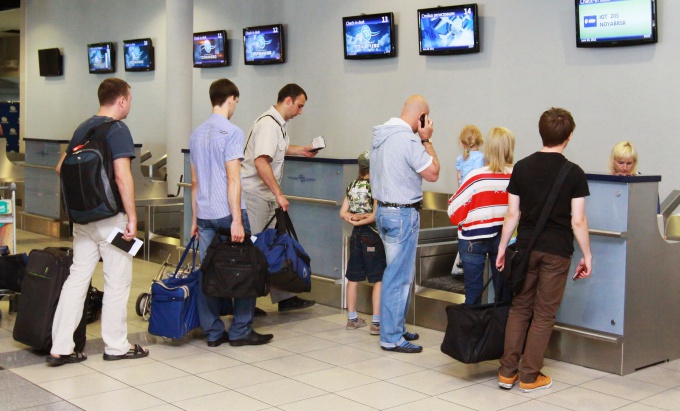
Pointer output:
367, 252
470, 140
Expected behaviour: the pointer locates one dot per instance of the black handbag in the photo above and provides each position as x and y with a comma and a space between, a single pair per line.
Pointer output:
517, 259
476, 333
234, 270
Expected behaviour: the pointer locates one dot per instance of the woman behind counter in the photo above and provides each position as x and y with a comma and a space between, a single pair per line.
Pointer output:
623, 159
478, 209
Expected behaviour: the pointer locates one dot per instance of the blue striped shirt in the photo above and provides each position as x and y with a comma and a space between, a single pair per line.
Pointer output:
212, 144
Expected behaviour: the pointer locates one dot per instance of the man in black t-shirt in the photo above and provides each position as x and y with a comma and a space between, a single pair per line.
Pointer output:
89, 243
550, 259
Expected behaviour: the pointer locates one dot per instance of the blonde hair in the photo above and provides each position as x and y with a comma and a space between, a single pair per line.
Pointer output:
499, 149
623, 151
470, 136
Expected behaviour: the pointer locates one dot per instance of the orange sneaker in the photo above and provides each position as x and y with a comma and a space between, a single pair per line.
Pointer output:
507, 383
542, 382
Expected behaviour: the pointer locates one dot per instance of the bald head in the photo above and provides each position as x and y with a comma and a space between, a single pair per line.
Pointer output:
415, 106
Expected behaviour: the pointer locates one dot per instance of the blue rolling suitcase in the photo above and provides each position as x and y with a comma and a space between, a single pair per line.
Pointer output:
174, 308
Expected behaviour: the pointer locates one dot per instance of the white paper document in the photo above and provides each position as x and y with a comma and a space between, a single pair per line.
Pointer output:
131, 247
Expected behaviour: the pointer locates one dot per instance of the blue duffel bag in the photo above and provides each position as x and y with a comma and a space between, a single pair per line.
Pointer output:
174, 305
289, 268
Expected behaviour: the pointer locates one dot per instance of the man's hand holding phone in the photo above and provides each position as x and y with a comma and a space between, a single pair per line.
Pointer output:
425, 127
582, 270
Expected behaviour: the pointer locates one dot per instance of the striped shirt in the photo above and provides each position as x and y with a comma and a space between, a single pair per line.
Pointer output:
212, 144
478, 208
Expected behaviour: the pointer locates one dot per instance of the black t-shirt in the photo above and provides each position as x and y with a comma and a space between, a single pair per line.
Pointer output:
118, 137
532, 178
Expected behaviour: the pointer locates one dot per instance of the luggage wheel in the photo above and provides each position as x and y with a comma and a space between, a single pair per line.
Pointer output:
143, 305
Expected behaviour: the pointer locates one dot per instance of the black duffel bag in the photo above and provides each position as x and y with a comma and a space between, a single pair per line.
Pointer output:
476, 333
234, 270
12, 270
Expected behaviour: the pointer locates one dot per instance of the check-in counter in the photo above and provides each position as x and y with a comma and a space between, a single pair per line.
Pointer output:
624, 317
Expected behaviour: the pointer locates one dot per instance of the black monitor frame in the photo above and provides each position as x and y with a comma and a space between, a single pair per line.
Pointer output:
393, 43
152, 63
112, 49
225, 43
280, 31
450, 50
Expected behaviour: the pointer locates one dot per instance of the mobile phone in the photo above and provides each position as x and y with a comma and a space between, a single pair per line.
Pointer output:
315, 150
422, 121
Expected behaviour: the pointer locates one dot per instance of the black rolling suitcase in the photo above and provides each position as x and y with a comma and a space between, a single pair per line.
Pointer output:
46, 272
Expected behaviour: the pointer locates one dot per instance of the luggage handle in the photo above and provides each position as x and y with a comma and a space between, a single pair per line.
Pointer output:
283, 223
189, 246
496, 298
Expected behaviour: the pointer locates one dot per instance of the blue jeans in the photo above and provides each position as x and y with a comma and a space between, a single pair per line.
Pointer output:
473, 254
398, 228
209, 307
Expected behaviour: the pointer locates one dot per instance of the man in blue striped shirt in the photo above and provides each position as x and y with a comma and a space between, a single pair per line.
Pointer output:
216, 153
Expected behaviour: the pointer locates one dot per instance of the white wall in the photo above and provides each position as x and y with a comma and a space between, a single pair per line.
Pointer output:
528, 63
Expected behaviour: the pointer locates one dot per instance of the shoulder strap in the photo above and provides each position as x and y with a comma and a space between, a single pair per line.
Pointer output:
547, 208
103, 128
256, 121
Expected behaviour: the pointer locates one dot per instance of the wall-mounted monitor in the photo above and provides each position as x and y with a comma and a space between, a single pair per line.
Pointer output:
448, 30
139, 55
101, 57
369, 36
263, 44
210, 49
615, 23
50, 62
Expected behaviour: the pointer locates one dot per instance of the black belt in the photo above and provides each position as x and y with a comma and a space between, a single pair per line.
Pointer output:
417, 205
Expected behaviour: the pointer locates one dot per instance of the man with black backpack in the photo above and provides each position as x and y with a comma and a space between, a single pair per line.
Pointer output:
89, 239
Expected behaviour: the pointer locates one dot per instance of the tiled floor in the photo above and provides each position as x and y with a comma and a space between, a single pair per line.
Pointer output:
313, 363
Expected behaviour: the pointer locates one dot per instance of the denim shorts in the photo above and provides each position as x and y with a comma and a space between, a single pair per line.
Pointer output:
366, 256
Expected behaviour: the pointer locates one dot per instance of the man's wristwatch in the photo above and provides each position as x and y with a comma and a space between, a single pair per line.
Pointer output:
427, 140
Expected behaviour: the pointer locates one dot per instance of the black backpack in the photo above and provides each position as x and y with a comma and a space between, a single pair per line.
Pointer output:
88, 183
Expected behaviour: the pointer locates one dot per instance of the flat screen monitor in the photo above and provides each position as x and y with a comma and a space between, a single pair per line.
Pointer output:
210, 49
50, 62
448, 30
139, 55
101, 57
263, 44
369, 36
601, 23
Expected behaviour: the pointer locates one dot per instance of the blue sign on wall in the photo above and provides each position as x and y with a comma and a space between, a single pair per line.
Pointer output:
9, 121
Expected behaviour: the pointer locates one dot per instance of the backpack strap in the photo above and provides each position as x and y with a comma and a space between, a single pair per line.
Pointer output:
256, 121
102, 128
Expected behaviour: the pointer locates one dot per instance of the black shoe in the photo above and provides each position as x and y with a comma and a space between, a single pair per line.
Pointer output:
259, 312
407, 348
223, 339
294, 303
252, 339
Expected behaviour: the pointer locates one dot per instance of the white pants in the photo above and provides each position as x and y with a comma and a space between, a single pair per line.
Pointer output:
89, 244
260, 211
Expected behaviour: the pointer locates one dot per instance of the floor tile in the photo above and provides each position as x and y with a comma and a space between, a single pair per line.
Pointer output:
673, 365
430, 404
82, 385
381, 395
179, 389
25, 397
428, 338
666, 377
628, 388
281, 391
8, 379
240, 376
482, 398
207, 361
472, 372
303, 344
328, 402
571, 374
370, 346
145, 373
335, 379
42, 372
430, 382
343, 336
252, 353
226, 400
535, 405
164, 407
384, 368
163, 352
279, 333
341, 355
312, 326
97, 363
127, 399
292, 365
577, 398
667, 400
54, 406
556, 387
429, 358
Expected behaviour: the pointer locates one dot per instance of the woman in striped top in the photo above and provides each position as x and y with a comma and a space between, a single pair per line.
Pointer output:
478, 209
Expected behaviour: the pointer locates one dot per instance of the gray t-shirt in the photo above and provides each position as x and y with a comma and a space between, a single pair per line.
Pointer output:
118, 137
